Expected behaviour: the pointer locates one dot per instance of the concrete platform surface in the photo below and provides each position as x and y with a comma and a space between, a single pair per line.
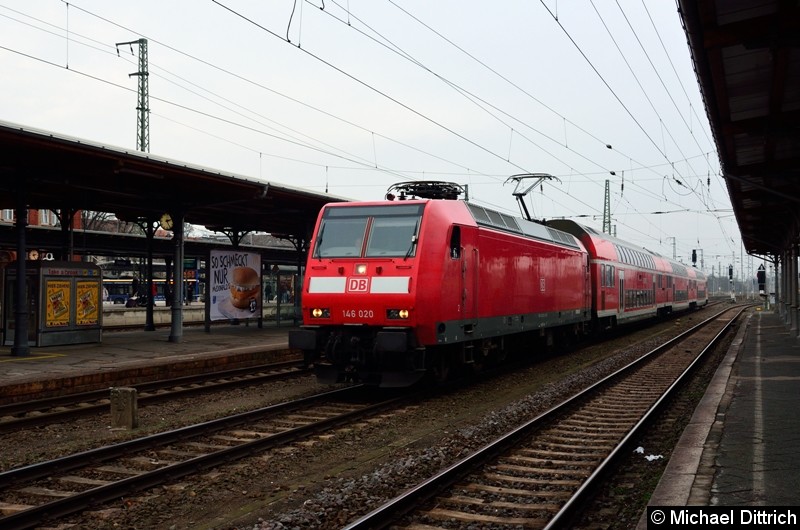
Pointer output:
742, 447
127, 357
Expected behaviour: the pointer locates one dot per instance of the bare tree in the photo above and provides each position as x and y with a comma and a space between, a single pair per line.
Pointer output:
107, 222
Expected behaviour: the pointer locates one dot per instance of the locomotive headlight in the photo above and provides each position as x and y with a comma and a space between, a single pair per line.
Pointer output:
361, 268
397, 314
320, 313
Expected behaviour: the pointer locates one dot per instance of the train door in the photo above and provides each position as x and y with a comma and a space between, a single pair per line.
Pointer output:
602, 282
463, 248
587, 287
653, 299
621, 291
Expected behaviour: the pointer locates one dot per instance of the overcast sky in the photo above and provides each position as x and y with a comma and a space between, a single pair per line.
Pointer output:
350, 96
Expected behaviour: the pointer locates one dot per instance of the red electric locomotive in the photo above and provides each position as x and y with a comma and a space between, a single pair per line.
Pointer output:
398, 288
631, 283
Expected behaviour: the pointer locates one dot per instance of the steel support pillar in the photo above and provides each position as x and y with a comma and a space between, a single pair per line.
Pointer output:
176, 330
21, 308
792, 269
149, 323
785, 287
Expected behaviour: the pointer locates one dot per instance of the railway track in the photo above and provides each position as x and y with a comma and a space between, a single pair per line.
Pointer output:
61, 408
538, 475
16, 416
44, 492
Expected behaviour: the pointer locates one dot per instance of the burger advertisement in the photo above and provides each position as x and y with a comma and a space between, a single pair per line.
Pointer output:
235, 284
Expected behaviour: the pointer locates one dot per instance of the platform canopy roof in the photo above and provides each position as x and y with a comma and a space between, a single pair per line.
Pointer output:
747, 60
61, 173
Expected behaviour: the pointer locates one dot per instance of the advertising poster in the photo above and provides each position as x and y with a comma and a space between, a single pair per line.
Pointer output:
235, 284
58, 303
87, 310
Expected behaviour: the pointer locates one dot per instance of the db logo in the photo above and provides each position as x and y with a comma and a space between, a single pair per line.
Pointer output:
358, 285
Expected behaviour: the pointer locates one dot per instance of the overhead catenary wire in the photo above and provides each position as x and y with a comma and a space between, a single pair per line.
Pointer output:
605, 82
471, 172
472, 97
275, 92
661, 80
102, 48
372, 132
372, 88
564, 144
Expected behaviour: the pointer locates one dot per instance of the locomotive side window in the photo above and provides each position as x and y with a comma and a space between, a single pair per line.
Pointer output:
455, 243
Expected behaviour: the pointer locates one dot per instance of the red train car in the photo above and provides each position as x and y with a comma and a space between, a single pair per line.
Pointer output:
397, 288
631, 283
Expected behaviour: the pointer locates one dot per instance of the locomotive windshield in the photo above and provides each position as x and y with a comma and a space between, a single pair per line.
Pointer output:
368, 231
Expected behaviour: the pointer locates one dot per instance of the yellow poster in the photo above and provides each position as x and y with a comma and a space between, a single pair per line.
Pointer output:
87, 310
58, 303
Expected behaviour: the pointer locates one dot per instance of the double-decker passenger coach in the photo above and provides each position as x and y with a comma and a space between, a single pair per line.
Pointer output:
631, 283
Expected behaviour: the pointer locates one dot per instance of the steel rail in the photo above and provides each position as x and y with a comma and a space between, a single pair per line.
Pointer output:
572, 506
388, 513
148, 393
75, 503
59, 465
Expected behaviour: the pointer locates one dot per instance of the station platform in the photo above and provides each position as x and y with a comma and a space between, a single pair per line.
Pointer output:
741, 447
129, 357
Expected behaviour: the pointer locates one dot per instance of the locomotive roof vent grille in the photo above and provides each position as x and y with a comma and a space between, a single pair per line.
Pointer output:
479, 214
510, 222
561, 237
487, 217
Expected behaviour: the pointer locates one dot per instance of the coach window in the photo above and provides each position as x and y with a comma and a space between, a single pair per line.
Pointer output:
455, 242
